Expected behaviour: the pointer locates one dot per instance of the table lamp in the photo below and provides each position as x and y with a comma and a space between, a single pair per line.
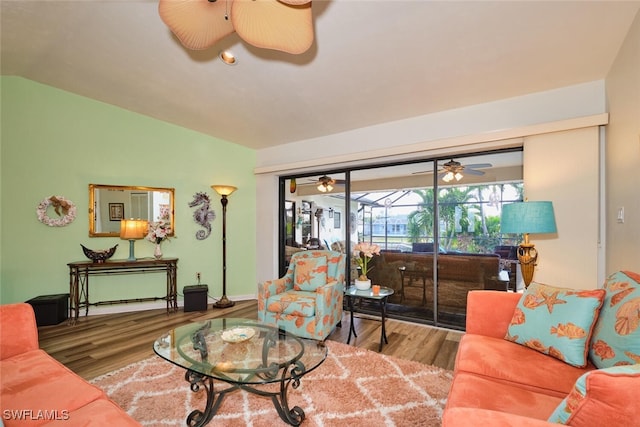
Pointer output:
224, 191
132, 230
528, 218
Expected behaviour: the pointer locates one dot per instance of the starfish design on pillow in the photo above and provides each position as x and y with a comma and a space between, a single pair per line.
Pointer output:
551, 300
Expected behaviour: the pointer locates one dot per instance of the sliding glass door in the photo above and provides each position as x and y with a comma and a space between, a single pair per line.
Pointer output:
314, 214
436, 222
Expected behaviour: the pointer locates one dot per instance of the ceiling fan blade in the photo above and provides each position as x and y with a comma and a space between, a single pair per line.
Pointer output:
198, 24
472, 172
479, 166
274, 25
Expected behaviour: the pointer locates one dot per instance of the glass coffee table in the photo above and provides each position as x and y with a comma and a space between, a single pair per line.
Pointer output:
240, 354
381, 296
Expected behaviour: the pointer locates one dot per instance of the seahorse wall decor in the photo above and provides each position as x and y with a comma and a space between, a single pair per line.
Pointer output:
202, 215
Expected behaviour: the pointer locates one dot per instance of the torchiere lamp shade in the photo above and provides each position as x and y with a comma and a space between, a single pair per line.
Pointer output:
224, 190
525, 218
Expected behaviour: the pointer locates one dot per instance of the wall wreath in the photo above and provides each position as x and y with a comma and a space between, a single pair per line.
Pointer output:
65, 209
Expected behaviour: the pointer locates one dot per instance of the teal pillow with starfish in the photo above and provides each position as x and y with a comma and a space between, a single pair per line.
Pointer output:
556, 321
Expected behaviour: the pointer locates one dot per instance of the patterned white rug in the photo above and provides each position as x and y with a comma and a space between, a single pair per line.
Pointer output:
354, 387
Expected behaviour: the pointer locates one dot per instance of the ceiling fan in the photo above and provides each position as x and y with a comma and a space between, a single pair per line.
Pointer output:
326, 183
453, 170
284, 25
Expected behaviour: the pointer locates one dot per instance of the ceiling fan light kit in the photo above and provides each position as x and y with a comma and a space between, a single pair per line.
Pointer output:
325, 184
228, 57
325, 188
449, 176
453, 170
284, 25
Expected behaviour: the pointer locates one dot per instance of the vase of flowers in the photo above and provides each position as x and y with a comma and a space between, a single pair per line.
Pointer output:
158, 233
362, 254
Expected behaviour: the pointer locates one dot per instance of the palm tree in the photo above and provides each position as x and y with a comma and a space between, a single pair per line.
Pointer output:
448, 200
420, 221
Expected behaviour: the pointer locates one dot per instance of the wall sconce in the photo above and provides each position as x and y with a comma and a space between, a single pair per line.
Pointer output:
528, 218
224, 191
132, 230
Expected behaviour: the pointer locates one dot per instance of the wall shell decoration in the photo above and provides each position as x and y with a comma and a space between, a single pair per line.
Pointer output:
63, 207
202, 215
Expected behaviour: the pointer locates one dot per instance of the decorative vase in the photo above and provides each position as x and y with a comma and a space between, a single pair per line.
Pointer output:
363, 285
157, 253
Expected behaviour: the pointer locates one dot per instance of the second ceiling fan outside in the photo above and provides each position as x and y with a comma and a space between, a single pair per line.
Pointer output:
454, 170
326, 183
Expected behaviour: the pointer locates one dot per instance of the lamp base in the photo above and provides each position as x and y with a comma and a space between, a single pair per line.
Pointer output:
132, 256
224, 302
528, 256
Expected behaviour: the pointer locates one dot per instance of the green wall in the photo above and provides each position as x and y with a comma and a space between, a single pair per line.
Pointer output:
57, 143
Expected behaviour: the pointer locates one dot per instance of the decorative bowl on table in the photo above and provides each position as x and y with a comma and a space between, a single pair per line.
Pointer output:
238, 334
99, 256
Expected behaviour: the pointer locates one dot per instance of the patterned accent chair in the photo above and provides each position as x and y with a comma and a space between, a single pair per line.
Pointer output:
307, 300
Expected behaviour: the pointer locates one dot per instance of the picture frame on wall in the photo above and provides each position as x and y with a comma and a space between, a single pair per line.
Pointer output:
116, 211
336, 220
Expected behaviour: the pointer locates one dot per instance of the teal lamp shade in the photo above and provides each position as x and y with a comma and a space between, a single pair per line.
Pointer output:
528, 217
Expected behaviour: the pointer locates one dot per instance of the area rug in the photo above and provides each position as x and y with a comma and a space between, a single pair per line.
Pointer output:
355, 387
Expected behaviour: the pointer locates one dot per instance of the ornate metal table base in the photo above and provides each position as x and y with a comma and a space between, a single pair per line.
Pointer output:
293, 416
227, 355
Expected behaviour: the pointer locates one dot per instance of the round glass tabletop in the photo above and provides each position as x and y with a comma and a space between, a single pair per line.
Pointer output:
240, 351
384, 292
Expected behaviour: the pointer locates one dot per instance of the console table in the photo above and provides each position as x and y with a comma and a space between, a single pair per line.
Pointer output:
80, 271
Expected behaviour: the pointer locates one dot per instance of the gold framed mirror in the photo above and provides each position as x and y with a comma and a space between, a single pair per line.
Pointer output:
109, 204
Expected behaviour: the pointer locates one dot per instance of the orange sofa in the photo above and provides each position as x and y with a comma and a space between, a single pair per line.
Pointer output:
500, 383
37, 390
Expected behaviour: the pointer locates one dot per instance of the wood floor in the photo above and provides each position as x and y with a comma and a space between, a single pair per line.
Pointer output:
99, 344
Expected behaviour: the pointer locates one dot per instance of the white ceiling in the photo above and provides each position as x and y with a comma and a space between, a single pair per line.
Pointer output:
372, 61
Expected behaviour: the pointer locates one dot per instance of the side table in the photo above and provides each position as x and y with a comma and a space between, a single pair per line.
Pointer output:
352, 293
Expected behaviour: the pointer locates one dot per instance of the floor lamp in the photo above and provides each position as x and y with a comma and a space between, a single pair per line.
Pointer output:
528, 218
224, 191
